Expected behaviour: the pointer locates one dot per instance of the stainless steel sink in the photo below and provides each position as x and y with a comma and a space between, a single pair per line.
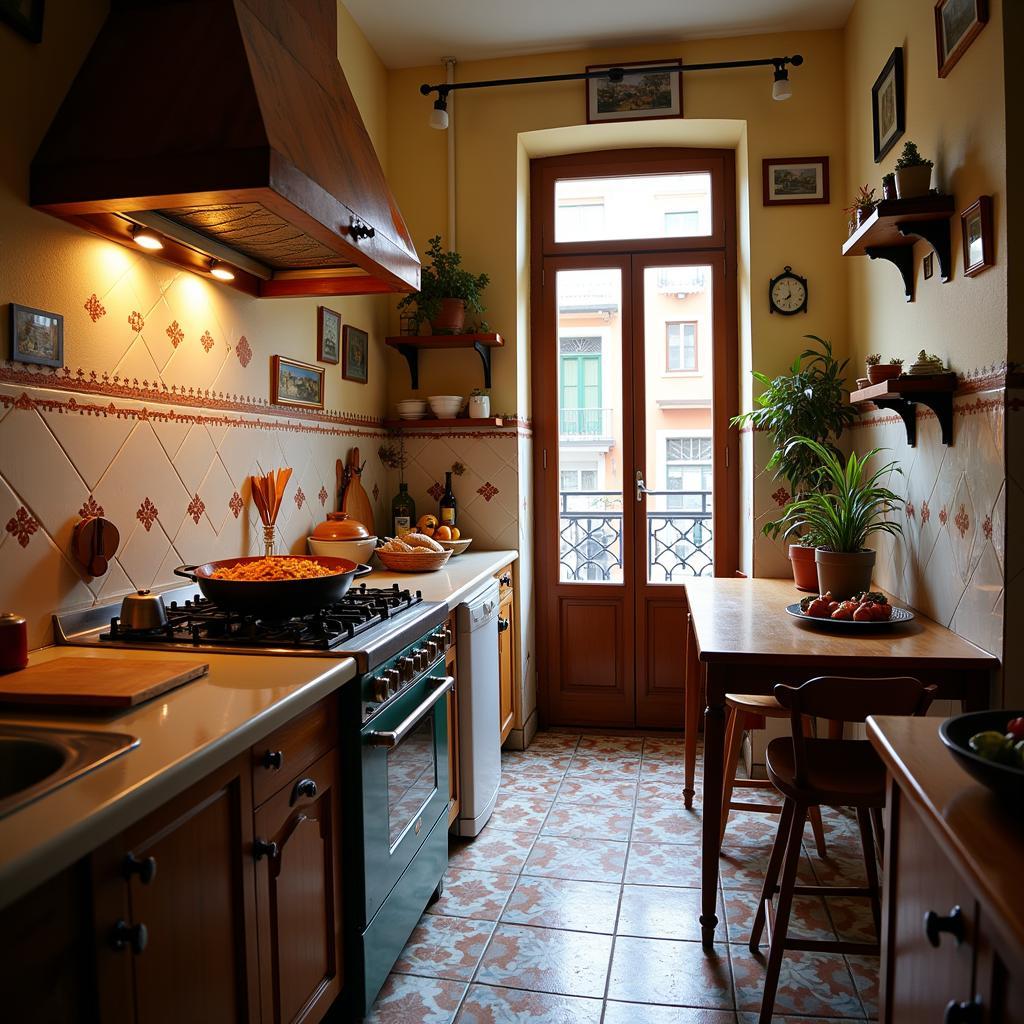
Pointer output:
34, 762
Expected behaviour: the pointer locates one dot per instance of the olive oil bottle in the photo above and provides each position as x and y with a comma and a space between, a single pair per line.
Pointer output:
447, 508
403, 511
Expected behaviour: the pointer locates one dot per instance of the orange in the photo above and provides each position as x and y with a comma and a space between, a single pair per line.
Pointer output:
427, 531
427, 522
455, 533
443, 533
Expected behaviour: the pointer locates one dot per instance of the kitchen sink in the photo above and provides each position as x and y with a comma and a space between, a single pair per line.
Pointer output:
34, 761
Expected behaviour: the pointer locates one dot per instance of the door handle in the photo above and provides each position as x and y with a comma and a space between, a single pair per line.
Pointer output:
392, 738
641, 487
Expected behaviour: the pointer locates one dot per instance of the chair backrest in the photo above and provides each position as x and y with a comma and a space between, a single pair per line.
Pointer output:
848, 699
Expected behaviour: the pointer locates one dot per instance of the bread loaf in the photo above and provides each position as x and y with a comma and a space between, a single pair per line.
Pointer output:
421, 540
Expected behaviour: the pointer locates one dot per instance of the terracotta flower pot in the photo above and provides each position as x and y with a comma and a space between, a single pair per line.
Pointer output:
913, 181
844, 573
805, 571
450, 318
883, 371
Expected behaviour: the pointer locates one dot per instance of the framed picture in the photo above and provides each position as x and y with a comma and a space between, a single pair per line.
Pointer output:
976, 225
355, 354
638, 96
929, 265
795, 180
296, 383
888, 113
25, 17
328, 335
957, 22
36, 336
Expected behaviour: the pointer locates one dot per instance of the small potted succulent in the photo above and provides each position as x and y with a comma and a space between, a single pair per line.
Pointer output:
863, 206
889, 186
446, 292
913, 173
479, 404
879, 371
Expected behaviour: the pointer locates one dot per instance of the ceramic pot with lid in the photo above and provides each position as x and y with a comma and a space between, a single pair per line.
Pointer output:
340, 526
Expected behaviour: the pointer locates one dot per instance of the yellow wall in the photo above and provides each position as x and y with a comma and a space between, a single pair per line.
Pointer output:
959, 122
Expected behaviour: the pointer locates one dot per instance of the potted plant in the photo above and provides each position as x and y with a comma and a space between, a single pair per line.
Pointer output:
479, 404
808, 401
913, 173
879, 371
863, 205
889, 186
446, 292
849, 507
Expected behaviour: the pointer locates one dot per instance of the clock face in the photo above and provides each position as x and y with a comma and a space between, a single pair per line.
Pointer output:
788, 294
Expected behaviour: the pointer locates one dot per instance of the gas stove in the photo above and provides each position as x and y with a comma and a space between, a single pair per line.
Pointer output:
370, 624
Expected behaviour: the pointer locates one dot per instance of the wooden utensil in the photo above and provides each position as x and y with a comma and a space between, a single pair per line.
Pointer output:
339, 470
93, 542
355, 501
98, 682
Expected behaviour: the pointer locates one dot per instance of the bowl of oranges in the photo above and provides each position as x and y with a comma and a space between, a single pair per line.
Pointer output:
449, 537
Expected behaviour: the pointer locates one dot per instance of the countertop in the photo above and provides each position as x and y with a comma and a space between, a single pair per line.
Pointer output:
461, 575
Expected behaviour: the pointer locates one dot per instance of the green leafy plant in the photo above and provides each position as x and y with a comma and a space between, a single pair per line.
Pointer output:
808, 401
863, 200
874, 359
911, 157
849, 507
895, 361
444, 278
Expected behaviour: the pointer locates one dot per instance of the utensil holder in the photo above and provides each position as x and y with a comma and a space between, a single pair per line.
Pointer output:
269, 539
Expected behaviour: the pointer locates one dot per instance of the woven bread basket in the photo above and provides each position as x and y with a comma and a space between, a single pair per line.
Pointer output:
423, 560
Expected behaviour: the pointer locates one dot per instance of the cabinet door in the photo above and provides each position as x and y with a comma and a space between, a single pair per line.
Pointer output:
298, 889
506, 663
183, 874
999, 976
450, 662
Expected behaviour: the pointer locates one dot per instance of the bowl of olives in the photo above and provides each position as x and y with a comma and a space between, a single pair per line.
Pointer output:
990, 746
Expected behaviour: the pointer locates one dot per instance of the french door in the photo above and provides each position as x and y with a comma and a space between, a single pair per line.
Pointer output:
633, 385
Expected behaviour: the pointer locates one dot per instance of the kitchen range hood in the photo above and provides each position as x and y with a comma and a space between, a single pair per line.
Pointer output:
225, 132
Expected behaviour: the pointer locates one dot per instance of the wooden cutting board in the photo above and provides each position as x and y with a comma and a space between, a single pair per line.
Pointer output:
356, 502
97, 682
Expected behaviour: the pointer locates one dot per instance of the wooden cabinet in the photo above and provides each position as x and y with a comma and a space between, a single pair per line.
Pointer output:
509, 696
451, 668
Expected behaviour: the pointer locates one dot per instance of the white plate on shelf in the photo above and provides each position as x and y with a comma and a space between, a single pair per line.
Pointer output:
898, 615
412, 415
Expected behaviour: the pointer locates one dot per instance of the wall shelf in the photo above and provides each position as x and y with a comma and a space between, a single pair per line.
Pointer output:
893, 228
464, 423
411, 345
904, 394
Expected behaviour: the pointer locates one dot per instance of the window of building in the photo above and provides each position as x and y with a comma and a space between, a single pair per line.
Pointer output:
580, 219
576, 480
681, 222
688, 472
681, 346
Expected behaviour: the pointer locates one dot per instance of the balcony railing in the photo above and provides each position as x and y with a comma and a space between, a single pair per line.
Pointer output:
584, 424
679, 540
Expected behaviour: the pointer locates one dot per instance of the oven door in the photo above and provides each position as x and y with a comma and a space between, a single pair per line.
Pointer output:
405, 781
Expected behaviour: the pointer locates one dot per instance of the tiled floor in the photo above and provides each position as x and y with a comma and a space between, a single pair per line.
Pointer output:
578, 904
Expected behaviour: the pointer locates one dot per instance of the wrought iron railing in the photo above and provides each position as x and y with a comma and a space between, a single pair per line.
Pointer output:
584, 424
679, 536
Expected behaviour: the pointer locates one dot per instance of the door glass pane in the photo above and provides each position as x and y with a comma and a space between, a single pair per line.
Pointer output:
636, 206
589, 339
412, 777
677, 461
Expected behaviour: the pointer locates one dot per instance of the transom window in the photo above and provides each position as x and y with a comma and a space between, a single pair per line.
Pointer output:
681, 346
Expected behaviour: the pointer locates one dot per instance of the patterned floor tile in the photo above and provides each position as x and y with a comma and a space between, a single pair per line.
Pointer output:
478, 894
493, 850
611, 746
641, 1013
865, 970
581, 790
751, 828
584, 860
808, 920
811, 984
543, 762
589, 822
536, 784
563, 903
743, 867
520, 813
660, 971
660, 912
487, 1005
409, 1000
667, 748
546, 960
603, 769
663, 864
852, 918
444, 947
665, 789
665, 771
666, 821
555, 741
751, 1018
838, 868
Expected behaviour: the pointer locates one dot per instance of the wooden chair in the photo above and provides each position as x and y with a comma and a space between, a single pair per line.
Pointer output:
830, 773
748, 711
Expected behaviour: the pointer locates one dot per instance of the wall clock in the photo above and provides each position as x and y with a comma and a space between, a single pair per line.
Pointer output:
787, 293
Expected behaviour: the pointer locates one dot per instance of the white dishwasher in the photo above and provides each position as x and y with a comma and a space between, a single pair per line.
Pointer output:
479, 709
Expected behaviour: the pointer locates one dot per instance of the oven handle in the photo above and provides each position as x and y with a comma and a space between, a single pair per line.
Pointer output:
394, 737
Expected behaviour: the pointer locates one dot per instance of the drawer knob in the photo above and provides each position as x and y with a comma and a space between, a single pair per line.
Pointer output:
963, 1013
951, 924
503, 625
261, 848
304, 787
506, 580
273, 759
127, 935
145, 869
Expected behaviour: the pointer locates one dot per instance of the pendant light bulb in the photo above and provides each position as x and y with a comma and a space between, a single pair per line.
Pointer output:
221, 271
782, 89
439, 115
147, 239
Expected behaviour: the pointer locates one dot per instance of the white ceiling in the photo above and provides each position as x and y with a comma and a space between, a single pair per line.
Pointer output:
409, 33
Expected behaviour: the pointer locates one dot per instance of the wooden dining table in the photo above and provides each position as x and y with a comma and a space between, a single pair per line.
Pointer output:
741, 640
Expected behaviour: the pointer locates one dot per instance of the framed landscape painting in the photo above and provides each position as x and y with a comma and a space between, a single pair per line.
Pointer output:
296, 383
957, 22
36, 336
888, 111
795, 180
638, 96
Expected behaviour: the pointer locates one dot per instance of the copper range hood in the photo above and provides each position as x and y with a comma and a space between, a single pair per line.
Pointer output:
226, 127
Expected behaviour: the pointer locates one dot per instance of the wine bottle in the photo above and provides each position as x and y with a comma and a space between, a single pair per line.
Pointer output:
403, 511
447, 505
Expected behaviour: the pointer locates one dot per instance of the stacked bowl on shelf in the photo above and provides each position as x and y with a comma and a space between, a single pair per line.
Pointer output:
445, 407
412, 409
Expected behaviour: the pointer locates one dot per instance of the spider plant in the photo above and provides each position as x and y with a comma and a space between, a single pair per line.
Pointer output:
850, 505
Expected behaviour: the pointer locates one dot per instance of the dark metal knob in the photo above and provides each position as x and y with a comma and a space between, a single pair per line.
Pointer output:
273, 759
394, 681
503, 625
935, 925
963, 1013
359, 230
304, 787
262, 848
380, 689
406, 668
135, 936
506, 580
145, 868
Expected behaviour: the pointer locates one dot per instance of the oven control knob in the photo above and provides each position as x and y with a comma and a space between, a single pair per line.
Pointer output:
406, 668
421, 659
432, 649
380, 689
394, 681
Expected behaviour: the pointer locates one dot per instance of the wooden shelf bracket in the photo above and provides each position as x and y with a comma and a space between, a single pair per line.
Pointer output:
937, 234
411, 345
901, 257
940, 403
412, 357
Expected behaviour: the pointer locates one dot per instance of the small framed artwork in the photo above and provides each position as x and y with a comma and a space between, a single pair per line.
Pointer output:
888, 112
296, 383
328, 335
795, 180
976, 225
929, 265
957, 22
36, 336
646, 96
25, 17
355, 354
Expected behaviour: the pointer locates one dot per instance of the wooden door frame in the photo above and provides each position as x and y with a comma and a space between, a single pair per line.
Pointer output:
725, 384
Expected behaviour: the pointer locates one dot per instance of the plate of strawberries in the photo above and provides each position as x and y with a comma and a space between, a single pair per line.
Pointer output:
866, 609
